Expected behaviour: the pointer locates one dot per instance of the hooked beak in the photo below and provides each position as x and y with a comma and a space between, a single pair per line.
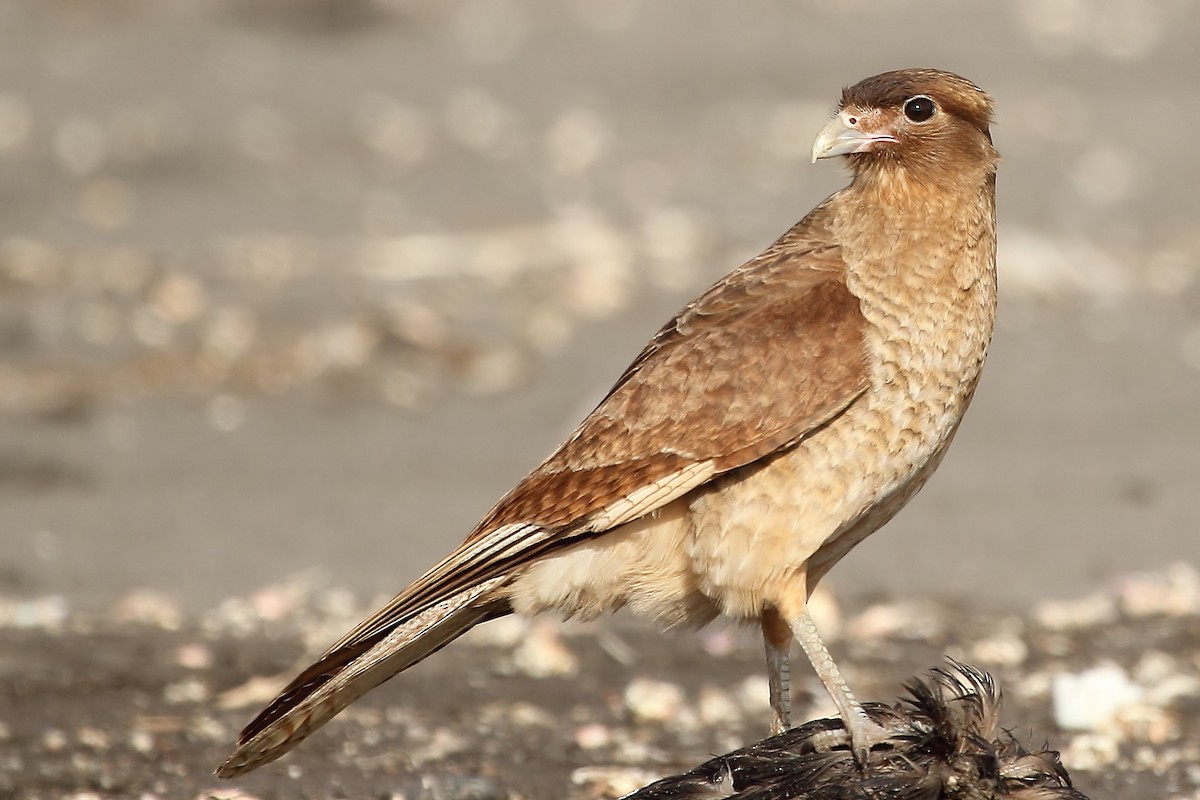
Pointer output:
843, 135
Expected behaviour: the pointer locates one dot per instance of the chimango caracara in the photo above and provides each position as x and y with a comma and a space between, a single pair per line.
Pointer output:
775, 422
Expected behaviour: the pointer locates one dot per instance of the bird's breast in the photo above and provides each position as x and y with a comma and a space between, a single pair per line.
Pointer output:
926, 338
756, 531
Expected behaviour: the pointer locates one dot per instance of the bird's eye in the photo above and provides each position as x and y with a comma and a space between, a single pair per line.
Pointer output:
919, 108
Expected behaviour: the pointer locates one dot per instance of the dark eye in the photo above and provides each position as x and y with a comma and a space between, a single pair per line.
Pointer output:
919, 108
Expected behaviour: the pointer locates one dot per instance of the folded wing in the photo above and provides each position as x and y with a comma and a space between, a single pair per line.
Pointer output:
770, 353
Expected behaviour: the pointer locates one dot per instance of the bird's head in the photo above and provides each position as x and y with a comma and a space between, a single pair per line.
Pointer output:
931, 124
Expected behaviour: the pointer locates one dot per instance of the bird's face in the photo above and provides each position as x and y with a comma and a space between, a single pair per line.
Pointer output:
929, 123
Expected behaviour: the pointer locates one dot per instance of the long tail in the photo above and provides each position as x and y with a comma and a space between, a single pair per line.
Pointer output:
356, 665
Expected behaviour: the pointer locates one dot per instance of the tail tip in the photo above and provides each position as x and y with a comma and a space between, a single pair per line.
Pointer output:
230, 768
241, 761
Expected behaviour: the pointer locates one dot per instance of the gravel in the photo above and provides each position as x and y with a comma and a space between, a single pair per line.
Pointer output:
143, 700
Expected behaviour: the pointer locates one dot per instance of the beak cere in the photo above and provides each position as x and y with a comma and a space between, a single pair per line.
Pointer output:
843, 135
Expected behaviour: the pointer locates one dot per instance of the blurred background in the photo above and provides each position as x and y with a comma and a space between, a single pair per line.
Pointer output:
305, 285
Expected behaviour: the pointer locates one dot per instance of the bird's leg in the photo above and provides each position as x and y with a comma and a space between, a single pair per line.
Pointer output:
777, 636
861, 729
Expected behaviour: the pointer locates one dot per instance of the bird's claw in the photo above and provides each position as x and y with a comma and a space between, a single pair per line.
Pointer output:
862, 736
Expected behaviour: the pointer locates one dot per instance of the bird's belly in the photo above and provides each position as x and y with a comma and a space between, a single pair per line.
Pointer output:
772, 530
642, 565
758, 533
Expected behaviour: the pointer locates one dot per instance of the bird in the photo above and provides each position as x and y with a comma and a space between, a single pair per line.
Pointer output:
770, 426
946, 744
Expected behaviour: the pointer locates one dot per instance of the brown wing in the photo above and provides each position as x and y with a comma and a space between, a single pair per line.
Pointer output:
771, 352
768, 354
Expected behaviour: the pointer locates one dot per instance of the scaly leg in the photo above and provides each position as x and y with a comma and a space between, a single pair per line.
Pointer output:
777, 637
863, 732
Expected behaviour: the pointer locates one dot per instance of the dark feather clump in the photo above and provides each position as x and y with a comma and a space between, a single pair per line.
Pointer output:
945, 743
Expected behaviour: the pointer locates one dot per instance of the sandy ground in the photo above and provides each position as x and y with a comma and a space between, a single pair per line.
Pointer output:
302, 287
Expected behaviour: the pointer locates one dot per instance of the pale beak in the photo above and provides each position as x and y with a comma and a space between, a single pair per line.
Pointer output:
842, 136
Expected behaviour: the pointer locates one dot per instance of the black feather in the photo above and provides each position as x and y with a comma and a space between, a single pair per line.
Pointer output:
945, 744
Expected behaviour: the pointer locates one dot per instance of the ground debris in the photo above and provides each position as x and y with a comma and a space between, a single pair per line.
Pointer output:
119, 704
944, 742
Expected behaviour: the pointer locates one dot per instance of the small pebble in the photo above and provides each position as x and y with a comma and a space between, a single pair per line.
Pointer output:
543, 654
194, 655
443, 743
593, 736
505, 632
224, 793
653, 701
1087, 701
753, 695
1060, 615
54, 740
93, 738
256, 691
902, 620
1002, 649
275, 602
613, 781
188, 690
718, 708
1174, 592
150, 607
1091, 751
528, 715
44, 613
451, 787
719, 640
141, 741
1143, 722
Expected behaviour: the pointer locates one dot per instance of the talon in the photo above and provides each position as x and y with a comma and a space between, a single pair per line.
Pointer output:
859, 739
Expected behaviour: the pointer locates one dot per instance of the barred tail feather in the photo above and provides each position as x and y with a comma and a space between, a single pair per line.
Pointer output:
347, 672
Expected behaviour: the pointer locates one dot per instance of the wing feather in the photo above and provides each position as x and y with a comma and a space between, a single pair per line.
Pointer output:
769, 354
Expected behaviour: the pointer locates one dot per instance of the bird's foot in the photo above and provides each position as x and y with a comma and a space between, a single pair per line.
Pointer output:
860, 735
